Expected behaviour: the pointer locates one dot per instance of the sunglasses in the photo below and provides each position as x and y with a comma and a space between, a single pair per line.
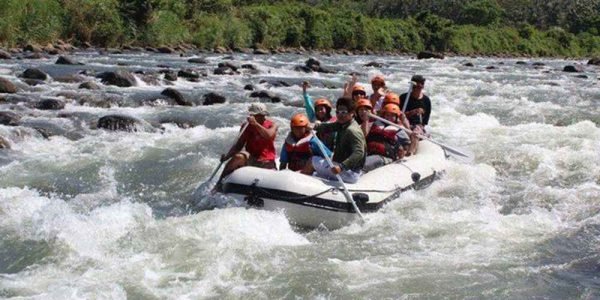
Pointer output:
359, 93
342, 112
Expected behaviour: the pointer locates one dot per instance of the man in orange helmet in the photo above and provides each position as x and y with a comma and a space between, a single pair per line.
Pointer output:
320, 110
300, 145
386, 143
258, 139
379, 90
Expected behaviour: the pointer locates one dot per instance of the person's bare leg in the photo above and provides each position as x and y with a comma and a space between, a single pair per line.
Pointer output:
237, 161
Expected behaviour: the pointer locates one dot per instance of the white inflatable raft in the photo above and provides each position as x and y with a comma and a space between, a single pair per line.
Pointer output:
310, 201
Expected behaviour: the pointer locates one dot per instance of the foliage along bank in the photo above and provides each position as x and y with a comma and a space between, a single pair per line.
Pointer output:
205, 24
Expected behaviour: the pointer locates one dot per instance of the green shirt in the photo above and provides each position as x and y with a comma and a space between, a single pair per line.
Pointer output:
350, 144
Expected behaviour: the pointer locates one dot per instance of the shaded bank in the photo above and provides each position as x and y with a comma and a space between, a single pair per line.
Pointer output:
244, 24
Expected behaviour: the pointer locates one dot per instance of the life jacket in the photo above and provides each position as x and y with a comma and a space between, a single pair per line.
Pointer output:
328, 138
382, 140
299, 152
260, 149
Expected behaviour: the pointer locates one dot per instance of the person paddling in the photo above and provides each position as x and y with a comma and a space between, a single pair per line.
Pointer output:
321, 111
417, 108
350, 146
300, 145
386, 143
258, 140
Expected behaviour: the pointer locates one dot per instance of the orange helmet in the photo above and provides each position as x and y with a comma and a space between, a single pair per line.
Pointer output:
391, 108
364, 102
358, 88
391, 98
299, 120
378, 79
323, 101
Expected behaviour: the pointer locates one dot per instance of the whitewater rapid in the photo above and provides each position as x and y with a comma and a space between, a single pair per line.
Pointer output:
91, 213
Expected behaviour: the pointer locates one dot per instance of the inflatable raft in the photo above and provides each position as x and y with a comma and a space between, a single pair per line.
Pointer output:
310, 201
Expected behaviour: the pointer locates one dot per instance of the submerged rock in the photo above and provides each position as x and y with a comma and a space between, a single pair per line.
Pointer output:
118, 78
9, 118
34, 74
429, 54
6, 86
50, 104
119, 123
266, 95
177, 96
4, 143
197, 60
573, 69
65, 60
90, 85
213, 98
594, 61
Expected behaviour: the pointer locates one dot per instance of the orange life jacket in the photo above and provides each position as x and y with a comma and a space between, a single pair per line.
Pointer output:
299, 152
382, 140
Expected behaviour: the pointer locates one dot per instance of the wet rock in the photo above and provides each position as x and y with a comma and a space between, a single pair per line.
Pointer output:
304, 69
188, 73
5, 55
118, 78
165, 50
594, 61
50, 104
34, 74
35, 55
538, 64
429, 54
89, 85
6, 86
469, 64
197, 60
573, 69
582, 76
228, 57
32, 48
150, 79
520, 62
177, 96
119, 123
313, 64
170, 75
490, 68
374, 64
266, 95
150, 49
249, 67
34, 82
4, 143
9, 118
65, 60
259, 51
213, 98
70, 78
275, 83
228, 64
249, 87
224, 71
220, 50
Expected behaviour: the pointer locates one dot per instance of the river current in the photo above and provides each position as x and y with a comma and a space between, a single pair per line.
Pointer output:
97, 214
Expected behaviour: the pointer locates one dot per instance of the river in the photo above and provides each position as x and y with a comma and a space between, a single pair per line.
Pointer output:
97, 214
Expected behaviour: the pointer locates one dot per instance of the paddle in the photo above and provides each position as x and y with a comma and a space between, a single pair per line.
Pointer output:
446, 147
339, 178
410, 86
221, 163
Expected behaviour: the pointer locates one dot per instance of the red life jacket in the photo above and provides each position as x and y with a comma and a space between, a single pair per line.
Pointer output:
299, 152
260, 149
382, 140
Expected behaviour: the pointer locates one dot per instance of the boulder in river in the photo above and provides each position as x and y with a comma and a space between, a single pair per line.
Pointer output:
213, 98
50, 104
573, 69
6, 86
259, 51
197, 60
249, 87
165, 50
118, 78
9, 118
89, 85
429, 54
469, 64
266, 95
594, 61
224, 71
5, 55
374, 64
35, 74
65, 60
4, 143
119, 123
177, 96
188, 73
228, 64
